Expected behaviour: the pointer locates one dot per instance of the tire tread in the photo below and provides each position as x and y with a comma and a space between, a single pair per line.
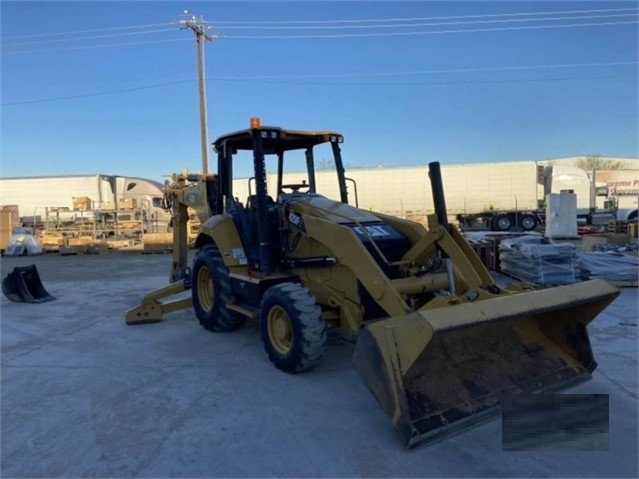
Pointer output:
309, 329
220, 318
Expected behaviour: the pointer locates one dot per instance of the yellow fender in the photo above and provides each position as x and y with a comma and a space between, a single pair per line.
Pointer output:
221, 230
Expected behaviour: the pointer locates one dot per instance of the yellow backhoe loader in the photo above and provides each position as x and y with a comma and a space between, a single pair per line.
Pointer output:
437, 342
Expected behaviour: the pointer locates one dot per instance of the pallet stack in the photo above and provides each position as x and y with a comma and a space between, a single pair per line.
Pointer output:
487, 248
157, 243
617, 227
539, 261
492, 253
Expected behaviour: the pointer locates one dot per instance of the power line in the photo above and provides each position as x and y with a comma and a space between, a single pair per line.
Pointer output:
431, 72
451, 17
57, 40
110, 92
292, 79
88, 47
308, 22
317, 83
408, 25
294, 37
451, 82
402, 34
327, 27
88, 31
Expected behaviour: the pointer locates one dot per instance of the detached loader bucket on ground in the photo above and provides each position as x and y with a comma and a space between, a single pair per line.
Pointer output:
439, 371
23, 285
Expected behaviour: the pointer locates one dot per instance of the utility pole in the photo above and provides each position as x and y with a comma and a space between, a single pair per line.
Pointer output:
198, 25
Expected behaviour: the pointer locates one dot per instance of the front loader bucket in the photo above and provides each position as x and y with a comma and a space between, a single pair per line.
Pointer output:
23, 285
439, 371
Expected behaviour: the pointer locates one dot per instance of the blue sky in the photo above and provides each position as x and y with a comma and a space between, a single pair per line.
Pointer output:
507, 107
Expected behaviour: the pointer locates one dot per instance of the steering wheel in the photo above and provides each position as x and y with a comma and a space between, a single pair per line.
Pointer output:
295, 187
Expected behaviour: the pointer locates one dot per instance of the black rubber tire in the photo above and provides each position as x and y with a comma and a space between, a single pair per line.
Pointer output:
210, 305
501, 223
307, 327
528, 222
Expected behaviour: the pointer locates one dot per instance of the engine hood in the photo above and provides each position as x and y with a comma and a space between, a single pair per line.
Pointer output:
384, 243
330, 210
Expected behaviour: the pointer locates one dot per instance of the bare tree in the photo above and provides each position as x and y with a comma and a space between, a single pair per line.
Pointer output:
325, 164
329, 164
598, 162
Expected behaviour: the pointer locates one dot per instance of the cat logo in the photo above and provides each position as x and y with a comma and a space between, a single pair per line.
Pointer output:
296, 220
375, 231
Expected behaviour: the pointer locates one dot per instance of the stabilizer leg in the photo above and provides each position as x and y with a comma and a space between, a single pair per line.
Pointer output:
152, 309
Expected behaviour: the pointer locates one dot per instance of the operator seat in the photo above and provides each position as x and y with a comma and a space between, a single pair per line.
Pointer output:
246, 221
212, 193
273, 217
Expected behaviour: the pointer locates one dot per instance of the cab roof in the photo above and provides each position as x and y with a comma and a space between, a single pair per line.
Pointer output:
277, 139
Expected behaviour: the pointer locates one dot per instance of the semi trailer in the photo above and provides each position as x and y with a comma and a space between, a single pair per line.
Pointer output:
38, 197
501, 195
593, 206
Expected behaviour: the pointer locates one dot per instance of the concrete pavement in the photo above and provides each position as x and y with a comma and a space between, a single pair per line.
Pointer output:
84, 395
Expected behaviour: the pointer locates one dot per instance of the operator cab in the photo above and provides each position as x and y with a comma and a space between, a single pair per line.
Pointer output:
260, 221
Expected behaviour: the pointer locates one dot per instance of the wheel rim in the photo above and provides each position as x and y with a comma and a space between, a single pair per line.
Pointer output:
504, 223
280, 330
205, 288
528, 223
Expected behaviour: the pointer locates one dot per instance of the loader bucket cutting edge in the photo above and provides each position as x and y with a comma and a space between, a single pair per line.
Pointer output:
437, 372
23, 285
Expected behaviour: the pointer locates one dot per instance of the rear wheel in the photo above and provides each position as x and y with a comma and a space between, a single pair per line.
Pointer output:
292, 328
528, 222
501, 223
211, 290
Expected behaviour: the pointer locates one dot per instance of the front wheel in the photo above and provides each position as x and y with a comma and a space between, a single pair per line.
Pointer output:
292, 328
211, 290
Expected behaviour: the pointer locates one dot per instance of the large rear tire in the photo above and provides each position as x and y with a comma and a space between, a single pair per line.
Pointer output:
292, 328
211, 290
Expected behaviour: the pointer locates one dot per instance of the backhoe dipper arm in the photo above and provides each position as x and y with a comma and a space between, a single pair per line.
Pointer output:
152, 308
179, 221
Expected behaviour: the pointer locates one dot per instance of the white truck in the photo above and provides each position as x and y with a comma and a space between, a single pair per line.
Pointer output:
502, 195
39, 196
623, 190
512, 195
